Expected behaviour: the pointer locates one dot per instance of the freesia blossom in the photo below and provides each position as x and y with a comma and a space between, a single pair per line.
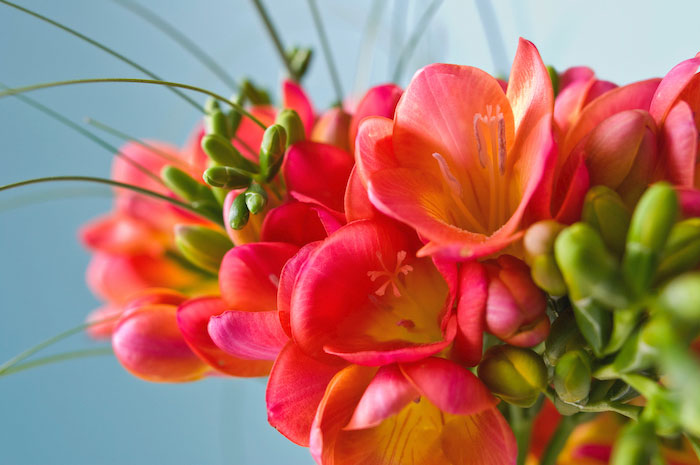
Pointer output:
461, 160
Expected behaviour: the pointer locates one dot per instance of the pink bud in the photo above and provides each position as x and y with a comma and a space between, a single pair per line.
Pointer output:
332, 128
515, 307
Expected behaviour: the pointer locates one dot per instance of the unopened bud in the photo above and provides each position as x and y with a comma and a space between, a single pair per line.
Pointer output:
589, 270
217, 123
202, 246
564, 336
255, 198
272, 149
545, 273
292, 124
226, 177
651, 224
234, 115
222, 152
636, 353
254, 94
333, 127
604, 209
211, 105
572, 376
299, 59
681, 297
635, 445
539, 238
682, 250
182, 184
238, 214
514, 374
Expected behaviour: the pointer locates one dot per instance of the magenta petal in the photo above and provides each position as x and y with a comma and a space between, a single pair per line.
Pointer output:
680, 145
294, 97
296, 223
249, 335
450, 387
671, 87
296, 386
471, 312
318, 172
378, 101
386, 395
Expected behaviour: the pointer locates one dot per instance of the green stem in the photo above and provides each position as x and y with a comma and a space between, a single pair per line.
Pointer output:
50, 341
272, 32
172, 32
111, 182
630, 411
57, 358
102, 47
494, 38
410, 46
234, 105
84, 132
561, 435
325, 46
522, 429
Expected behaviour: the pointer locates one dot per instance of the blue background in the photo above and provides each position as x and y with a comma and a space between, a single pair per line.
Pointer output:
92, 412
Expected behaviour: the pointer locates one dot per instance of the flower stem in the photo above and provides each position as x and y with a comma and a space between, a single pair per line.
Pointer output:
325, 46
522, 429
410, 46
561, 435
171, 31
237, 107
57, 358
272, 32
102, 47
111, 182
50, 341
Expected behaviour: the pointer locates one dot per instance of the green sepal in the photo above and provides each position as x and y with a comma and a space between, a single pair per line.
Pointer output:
651, 224
202, 246
605, 211
682, 250
625, 320
238, 214
595, 323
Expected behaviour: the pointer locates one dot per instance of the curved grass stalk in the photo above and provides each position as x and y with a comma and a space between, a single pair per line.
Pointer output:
113, 183
369, 40
46, 85
74, 354
171, 31
84, 132
420, 28
102, 47
325, 46
50, 341
494, 38
276, 40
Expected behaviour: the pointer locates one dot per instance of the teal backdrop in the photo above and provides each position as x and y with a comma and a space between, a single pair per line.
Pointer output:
91, 411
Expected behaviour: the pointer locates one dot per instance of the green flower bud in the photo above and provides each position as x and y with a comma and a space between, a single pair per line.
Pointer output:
514, 374
223, 153
635, 445
681, 297
238, 214
272, 149
539, 238
211, 105
202, 246
545, 273
234, 116
682, 250
254, 94
299, 59
651, 224
226, 177
563, 336
589, 270
255, 198
607, 213
292, 124
182, 184
595, 324
572, 376
217, 123
554, 77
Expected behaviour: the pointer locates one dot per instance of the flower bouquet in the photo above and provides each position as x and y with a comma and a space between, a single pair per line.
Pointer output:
464, 270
